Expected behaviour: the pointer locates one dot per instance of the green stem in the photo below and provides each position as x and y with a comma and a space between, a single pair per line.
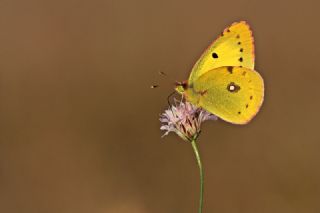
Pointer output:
196, 152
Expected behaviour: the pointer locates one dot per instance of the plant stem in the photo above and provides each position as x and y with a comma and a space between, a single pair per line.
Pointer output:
196, 152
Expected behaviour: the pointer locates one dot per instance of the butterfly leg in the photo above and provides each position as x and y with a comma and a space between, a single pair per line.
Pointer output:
169, 96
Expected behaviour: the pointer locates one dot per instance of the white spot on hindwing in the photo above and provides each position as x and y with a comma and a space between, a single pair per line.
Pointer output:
233, 87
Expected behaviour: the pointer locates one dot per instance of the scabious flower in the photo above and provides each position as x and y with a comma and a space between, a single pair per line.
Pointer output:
184, 119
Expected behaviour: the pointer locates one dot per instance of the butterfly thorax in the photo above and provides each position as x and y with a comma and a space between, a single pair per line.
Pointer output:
187, 91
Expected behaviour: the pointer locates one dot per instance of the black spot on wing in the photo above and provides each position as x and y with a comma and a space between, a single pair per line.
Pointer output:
215, 55
241, 49
241, 59
230, 69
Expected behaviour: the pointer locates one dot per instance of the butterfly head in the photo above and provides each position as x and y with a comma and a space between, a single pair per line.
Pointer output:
181, 87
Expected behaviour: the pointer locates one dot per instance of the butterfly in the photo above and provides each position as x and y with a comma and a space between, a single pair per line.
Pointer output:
223, 81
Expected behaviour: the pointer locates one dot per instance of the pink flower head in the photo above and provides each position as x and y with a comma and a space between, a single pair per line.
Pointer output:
185, 120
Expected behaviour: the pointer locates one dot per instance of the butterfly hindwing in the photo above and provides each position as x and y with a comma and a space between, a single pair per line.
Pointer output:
234, 94
234, 47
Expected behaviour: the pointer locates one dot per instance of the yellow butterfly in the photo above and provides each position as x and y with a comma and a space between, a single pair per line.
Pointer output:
223, 80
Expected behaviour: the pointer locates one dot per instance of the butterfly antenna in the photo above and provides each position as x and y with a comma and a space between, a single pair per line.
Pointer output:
156, 85
162, 73
165, 75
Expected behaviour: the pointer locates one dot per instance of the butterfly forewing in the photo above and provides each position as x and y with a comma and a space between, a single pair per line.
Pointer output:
233, 48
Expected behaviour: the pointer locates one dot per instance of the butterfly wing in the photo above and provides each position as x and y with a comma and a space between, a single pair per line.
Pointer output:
233, 48
234, 94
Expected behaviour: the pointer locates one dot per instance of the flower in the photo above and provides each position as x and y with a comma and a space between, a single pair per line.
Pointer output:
185, 120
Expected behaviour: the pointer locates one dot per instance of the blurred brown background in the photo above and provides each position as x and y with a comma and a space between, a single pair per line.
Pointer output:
79, 129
